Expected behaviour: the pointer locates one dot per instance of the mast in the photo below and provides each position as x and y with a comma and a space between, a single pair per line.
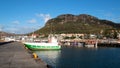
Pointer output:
51, 28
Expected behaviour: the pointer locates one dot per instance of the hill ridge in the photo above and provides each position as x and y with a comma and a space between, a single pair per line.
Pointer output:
83, 23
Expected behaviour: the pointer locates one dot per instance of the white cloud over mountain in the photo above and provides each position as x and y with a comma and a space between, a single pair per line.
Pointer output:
45, 17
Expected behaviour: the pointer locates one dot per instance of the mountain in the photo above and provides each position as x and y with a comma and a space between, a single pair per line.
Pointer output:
6, 34
84, 23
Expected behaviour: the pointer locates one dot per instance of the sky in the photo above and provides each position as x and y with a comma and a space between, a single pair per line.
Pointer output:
25, 16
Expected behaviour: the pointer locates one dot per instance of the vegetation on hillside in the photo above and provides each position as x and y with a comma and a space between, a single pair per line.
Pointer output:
83, 23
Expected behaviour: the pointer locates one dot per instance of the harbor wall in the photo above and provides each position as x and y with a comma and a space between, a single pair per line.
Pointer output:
14, 55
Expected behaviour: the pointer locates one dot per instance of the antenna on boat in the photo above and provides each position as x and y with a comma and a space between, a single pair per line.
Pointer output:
51, 28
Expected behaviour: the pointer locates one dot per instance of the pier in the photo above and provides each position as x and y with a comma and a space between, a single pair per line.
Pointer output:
109, 45
92, 43
14, 55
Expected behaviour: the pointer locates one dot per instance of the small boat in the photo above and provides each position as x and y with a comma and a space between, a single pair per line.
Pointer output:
91, 43
52, 44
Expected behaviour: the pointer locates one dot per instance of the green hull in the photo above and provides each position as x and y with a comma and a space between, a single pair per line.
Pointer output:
35, 47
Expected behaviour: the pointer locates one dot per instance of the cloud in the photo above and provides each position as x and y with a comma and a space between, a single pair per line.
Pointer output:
1, 27
28, 29
117, 20
109, 15
11, 30
16, 22
45, 17
21, 29
32, 21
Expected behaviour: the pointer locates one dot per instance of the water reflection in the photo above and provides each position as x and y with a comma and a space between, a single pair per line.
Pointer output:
72, 57
51, 57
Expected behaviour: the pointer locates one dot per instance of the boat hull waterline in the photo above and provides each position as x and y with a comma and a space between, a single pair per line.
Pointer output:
42, 46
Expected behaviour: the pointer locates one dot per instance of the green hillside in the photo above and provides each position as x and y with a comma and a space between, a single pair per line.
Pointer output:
68, 23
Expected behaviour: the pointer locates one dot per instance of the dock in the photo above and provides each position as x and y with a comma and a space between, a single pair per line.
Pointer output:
14, 55
109, 45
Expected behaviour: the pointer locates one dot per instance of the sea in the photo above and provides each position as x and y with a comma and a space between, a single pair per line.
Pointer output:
81, 57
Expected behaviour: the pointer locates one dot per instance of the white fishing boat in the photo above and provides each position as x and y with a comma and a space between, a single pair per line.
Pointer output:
51, 44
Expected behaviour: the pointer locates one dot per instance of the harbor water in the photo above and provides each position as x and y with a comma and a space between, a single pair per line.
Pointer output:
74, 57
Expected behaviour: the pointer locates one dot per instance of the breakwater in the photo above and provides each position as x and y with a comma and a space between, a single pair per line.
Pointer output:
2, 43
14, 55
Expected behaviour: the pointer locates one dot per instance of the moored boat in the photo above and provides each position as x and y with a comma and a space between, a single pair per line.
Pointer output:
51, 44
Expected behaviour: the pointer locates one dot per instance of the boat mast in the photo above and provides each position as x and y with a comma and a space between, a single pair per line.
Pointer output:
51, 28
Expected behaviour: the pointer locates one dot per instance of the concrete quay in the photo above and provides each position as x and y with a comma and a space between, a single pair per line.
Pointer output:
14, 55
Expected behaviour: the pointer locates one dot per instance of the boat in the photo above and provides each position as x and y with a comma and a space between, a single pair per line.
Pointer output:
91, 43
52, 44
